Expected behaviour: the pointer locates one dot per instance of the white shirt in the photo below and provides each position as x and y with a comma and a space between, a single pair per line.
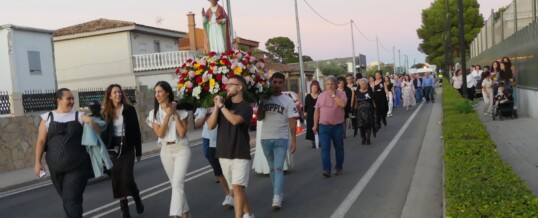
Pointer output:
277, 111
61, 117
171, 133
206, 132
470, 81
118, 125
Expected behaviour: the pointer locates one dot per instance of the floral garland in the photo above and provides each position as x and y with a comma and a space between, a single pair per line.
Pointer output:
199, 80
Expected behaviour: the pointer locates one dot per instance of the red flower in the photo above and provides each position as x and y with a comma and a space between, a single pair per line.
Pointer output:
206, 88
184, 75
189, 61
213, 63
177, 71
249, 53
230, 74
261, 60
183, 65
189, 90
245, 63
223, 87
230, 52
211, 54
218, 77
198, 79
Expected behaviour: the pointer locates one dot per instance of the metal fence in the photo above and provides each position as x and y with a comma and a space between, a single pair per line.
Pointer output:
500, 26
5, 106
38, 100
86, 96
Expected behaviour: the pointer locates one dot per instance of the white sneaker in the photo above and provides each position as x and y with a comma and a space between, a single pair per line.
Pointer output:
228, 201
247, 215
277, 202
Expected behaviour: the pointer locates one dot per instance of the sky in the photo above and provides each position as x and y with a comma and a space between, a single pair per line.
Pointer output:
394, 21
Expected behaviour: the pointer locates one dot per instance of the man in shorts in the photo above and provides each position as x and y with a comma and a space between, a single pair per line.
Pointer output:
233, 118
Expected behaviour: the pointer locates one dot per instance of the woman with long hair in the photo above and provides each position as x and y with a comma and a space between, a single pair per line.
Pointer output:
124, 143
496, 70
408, 93
309, 109
487, 93
397, 90
60, 137
390, 94
380, 94
170, 126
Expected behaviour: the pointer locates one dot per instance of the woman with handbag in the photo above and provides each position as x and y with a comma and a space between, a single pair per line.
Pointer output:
170, 125
124, 142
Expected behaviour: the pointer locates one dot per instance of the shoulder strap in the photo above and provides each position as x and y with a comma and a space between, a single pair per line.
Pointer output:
76, 116
51, 116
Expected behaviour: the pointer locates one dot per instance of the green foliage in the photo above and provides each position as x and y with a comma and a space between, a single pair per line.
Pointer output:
281, 49
435, 28
478, 183
419, 65
384, 68
333, 68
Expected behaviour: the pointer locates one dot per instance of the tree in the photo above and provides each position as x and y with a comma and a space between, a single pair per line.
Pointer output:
295, 58
281, 49
384, 68
333, 68
435, 28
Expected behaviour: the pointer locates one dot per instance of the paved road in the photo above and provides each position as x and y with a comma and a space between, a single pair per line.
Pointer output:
307, 193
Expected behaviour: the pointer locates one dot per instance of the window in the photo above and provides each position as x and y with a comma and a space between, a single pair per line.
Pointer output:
156, 46
34, 62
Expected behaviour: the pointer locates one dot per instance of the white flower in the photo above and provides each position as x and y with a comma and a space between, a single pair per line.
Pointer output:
181, 92
196, 92
260, 87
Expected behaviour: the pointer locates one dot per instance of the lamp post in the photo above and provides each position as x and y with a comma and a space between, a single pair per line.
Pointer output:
302, 83
353, 69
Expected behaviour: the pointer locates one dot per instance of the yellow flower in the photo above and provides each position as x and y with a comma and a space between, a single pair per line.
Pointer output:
198, 72
238, 70
196, 66
179, 86
221, 62
212, 83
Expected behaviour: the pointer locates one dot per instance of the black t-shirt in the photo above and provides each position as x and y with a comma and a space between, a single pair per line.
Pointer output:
233, 142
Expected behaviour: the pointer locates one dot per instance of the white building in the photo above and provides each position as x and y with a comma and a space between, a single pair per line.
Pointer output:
26, 59
102, 52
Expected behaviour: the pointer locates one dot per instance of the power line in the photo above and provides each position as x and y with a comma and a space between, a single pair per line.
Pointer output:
382, 46
362, 34
328, 21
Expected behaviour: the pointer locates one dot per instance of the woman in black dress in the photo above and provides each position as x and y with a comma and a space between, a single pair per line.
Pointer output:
380, 99
124, 142
60, 137
310, 102
365, 109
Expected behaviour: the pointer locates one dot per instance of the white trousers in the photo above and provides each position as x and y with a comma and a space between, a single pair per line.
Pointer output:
175, 159
488, 101
391, 102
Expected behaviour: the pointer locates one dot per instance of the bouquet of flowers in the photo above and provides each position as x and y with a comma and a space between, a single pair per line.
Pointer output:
199, 80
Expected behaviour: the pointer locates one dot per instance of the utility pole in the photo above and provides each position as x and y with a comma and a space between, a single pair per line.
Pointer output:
399, 61
232, 33
353, 48
378, 60
462, 48
393, 60
303, 94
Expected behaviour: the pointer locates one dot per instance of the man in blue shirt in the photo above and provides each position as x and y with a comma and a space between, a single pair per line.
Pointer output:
427, 84
417, 83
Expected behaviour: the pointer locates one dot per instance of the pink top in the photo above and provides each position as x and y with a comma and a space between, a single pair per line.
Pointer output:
329, 112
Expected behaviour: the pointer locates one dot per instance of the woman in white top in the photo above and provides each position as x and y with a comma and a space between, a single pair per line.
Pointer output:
170, 126
457, 81
487, 93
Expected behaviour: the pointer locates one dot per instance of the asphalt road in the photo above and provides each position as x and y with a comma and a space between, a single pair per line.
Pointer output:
307, 192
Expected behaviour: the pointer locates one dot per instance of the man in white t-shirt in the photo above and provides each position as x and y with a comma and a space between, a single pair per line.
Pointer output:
279, 116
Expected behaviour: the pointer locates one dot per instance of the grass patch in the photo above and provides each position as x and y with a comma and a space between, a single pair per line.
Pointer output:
478, 183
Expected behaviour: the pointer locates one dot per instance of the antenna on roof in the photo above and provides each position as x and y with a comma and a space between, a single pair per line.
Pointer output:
159, 20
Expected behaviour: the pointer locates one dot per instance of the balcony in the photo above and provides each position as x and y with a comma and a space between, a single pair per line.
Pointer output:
161, 61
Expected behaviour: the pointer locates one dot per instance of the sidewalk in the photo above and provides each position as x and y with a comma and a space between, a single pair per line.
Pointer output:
425, 196
25, 177
516, 141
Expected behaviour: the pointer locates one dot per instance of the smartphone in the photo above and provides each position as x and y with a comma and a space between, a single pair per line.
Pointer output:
42, 173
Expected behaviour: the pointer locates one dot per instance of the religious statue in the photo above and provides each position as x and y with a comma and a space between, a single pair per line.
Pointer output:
217, 28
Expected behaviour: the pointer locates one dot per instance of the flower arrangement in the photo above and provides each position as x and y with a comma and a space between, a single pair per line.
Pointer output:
199, 80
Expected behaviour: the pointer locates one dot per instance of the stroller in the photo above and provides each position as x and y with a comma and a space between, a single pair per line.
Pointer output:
503, 105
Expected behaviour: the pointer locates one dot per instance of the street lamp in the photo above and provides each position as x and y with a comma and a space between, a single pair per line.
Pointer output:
303, 94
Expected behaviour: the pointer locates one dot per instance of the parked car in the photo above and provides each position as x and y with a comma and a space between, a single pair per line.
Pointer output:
254, 119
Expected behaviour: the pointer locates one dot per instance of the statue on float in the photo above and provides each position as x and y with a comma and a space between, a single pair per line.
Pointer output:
217, 28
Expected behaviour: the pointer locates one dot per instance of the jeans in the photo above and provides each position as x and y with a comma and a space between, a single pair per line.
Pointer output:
418, 95
275, 151
175, 159
428, 93
328, 133
398, 92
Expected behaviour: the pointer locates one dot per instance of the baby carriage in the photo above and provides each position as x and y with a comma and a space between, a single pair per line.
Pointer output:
503, 106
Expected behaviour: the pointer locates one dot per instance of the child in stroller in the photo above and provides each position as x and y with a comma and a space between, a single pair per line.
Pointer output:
503, 105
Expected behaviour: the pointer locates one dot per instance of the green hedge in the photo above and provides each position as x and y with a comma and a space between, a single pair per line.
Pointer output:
478, 183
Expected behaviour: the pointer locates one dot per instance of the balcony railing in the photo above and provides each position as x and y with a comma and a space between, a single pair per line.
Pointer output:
161, 61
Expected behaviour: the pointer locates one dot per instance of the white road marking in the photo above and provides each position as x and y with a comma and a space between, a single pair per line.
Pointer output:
167, 184
344, 207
